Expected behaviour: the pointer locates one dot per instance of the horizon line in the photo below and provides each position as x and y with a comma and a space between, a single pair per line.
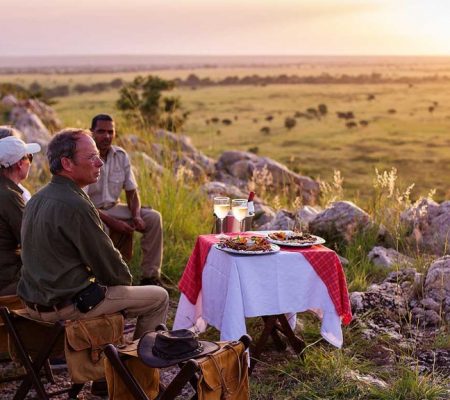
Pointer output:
219, 55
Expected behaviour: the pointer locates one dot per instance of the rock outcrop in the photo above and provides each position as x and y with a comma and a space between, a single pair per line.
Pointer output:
428, 224
238, 167
340, 222
388, 257
437, 287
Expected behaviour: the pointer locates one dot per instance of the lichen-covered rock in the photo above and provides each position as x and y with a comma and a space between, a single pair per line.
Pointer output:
239, 167
428, 224
150, 165
437, 283
181, 143
386, 299
283, 220
388, 257
9, 101
215, 189
30, 125
340, 222
306, 214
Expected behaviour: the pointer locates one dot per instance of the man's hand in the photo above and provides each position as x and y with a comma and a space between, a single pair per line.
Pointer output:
139, 223
120, 226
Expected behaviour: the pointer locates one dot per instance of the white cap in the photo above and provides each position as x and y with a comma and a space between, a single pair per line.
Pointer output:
13, 149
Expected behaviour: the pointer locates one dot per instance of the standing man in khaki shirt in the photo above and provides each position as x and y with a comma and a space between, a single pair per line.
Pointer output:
116, 175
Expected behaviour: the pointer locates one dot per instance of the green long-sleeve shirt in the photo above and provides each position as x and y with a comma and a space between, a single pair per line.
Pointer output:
64, 246
11, 210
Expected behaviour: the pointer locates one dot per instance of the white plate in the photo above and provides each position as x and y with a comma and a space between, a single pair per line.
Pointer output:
318, 240
274, 249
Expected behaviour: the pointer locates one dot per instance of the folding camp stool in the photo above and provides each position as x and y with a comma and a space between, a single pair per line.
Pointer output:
13, 302
48, 338
189, 372
273, 325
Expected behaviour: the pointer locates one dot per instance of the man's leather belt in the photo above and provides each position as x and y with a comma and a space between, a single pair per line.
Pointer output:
56, 307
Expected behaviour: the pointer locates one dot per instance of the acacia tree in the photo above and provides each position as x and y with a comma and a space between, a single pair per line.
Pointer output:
142, 102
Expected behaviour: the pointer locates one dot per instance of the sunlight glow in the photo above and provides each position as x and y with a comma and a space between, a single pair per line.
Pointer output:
334, 27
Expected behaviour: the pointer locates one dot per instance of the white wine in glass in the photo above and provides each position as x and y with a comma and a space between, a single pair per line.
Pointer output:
239, 209
221, 209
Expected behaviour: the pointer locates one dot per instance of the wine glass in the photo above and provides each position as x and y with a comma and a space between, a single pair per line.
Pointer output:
239, 209
221, 208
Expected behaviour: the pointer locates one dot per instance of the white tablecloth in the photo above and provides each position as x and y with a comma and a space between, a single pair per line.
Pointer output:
239, 286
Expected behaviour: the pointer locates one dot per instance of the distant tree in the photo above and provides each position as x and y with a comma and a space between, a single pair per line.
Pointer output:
290, 122
313, 112
142, 101
116, 83
35, 87
323, 109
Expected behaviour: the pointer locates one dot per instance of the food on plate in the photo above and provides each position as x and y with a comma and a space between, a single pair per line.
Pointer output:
293, 237
241, 243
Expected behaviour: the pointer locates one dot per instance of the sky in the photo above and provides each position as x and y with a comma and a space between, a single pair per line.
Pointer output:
224, 27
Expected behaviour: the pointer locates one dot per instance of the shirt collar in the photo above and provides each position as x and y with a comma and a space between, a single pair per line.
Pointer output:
9, 183
63, 180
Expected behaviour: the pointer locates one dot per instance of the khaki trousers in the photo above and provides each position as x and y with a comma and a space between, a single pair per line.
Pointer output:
152, 237
148, 303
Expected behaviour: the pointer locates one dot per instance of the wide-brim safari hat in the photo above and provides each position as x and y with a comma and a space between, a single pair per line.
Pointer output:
165, 348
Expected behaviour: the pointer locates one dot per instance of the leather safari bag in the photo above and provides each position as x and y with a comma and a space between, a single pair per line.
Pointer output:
224, 374
147, 378
84, 341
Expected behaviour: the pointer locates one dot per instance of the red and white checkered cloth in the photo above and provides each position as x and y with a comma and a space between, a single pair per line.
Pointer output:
324, 261
327, 265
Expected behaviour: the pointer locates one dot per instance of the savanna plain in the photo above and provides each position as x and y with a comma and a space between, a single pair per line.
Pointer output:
400, 119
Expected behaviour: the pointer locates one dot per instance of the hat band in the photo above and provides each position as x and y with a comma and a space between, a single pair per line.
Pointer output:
169, 356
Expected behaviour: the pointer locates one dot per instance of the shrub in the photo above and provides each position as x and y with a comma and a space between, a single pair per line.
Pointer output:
141, 102
265, 130
323, 109
290, 122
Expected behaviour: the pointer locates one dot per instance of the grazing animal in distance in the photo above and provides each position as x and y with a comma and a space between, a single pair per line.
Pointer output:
351, 124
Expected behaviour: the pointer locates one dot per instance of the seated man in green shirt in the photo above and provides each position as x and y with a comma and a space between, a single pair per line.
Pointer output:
64, 248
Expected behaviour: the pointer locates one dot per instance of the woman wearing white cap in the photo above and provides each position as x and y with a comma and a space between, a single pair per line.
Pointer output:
15, 159
5, 131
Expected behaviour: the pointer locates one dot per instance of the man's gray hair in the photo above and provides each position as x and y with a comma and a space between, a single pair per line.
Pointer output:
63, 144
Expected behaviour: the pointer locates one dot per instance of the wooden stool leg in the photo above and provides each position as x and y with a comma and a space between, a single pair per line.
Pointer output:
124, 373
33, 368
187, 372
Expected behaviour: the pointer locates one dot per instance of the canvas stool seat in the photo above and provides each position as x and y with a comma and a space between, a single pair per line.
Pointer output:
210, 375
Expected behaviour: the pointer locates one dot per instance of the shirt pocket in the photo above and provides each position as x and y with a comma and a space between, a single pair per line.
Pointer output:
116, 181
